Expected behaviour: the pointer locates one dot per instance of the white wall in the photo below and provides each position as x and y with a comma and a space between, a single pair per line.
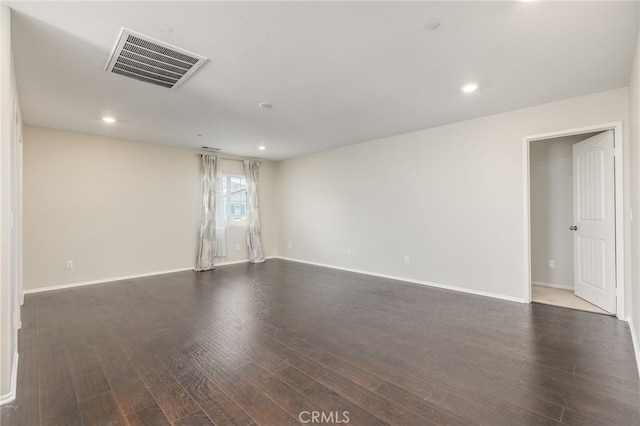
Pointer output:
10, 149
551, 183
634, 160
449, 197
115, 208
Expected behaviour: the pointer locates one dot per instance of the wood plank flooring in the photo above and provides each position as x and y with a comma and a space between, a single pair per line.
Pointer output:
280, 342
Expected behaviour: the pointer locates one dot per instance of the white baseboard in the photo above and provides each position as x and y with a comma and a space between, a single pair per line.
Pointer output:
235, 262
560, 286
634, 339
14, 382
410, 280
127, 277
105, 280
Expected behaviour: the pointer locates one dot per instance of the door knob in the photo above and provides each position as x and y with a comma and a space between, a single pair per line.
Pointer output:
573, 228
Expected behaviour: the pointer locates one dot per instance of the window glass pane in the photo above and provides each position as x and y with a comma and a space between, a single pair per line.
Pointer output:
234, 189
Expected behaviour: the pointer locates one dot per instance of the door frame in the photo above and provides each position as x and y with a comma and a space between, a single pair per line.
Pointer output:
619, 204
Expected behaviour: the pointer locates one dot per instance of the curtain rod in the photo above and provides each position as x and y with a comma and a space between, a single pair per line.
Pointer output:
222, 158
231, 158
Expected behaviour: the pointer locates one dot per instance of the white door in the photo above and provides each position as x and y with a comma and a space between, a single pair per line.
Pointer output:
594, 221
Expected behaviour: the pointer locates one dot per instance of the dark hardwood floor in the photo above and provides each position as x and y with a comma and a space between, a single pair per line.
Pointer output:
281, 342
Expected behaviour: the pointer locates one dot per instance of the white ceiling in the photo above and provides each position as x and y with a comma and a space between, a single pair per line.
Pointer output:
337, 73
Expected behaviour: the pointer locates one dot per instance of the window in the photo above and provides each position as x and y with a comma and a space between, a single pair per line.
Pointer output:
234, 200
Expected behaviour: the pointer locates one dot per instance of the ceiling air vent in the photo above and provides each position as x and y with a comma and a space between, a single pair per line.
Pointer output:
145, 59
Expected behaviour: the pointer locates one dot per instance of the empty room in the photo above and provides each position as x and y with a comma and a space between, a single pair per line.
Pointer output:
319, 212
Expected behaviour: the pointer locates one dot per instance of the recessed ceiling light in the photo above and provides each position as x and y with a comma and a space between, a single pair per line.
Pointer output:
432, 24
262, 147
469, 87
265, 105
109, 120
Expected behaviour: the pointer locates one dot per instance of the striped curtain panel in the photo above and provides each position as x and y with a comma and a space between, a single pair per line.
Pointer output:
207, 235
254, 232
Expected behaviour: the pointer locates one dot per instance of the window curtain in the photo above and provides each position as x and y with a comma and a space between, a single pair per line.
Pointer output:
207, 236
254, 236
220, 247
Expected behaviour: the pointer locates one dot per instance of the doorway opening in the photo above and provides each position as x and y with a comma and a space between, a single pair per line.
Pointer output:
573, 208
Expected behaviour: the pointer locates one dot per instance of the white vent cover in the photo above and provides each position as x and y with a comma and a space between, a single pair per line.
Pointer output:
143, 58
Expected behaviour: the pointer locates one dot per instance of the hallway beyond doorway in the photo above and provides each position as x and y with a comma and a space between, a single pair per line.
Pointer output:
563, 298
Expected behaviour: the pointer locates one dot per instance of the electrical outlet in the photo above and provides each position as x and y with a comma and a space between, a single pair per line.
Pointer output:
552, 263
349, 252
69, 264
407, 260
237, 246
290, 245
